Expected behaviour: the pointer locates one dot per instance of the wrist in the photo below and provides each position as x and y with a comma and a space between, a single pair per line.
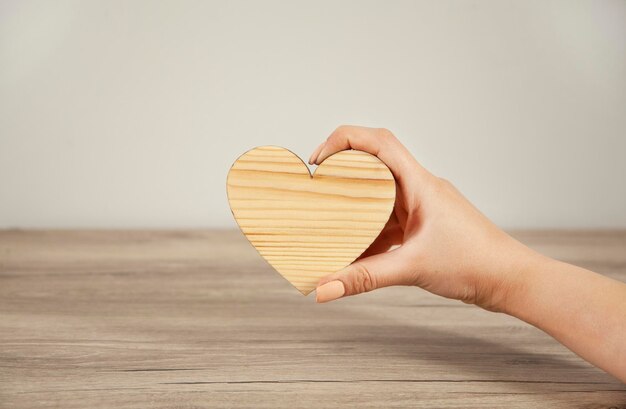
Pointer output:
522, 277
513, 287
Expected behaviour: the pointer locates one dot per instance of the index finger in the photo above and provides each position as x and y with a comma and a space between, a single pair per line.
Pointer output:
376, 141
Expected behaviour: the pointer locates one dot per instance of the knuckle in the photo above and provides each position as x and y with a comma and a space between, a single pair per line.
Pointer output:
363, 281
386, 134
341, 130
446, 185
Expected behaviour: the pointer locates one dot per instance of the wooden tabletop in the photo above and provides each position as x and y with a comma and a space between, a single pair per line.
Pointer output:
196, 319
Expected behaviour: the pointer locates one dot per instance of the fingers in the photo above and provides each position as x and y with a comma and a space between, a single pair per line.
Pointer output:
377, 267
316, 153
365, 275
378, 142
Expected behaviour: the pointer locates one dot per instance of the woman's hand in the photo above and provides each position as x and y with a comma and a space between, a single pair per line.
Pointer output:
446, 246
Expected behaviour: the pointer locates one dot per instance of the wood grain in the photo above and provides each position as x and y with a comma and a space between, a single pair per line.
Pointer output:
308, 226
196, 319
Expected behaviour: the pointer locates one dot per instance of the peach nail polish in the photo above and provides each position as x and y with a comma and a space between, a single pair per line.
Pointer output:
329, 291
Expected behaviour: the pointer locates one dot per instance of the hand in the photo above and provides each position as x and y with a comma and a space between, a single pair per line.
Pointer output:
446, 246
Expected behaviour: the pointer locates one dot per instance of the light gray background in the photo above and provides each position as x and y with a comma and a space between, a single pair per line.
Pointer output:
129, 113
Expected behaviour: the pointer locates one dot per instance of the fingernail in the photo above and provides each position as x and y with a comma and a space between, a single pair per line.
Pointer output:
329, 291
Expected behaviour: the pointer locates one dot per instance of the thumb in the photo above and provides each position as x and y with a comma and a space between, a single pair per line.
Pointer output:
366, 274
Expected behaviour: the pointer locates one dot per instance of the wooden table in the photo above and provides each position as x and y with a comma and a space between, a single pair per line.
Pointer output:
195, 319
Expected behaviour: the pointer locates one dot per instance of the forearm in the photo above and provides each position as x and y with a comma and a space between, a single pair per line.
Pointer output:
583, 310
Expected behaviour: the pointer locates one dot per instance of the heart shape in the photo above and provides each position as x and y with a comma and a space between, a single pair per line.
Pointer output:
308, 226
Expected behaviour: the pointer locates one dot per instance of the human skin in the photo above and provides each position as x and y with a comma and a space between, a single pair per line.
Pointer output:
448, 247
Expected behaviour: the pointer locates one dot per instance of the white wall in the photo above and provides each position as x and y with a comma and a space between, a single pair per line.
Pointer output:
129, 113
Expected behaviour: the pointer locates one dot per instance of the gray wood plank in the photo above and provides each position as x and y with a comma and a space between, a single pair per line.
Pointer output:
197, 319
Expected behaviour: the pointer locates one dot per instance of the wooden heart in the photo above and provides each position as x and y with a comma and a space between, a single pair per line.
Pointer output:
308, 226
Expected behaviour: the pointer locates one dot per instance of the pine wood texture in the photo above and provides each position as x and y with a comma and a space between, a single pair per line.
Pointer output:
308, 226
196, 319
